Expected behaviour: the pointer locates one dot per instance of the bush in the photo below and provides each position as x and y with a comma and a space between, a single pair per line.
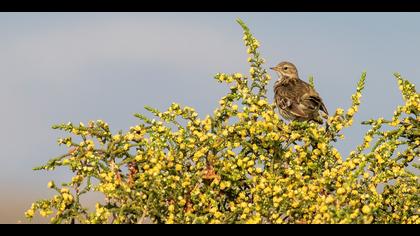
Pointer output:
243, 164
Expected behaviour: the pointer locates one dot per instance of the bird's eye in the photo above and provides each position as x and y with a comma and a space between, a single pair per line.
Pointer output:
285, 68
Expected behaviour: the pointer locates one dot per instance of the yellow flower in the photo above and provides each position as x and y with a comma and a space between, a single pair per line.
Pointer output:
77, 179
64, 190
396, 169
372, 188
44, 213
339, 111
267, 190
329, 199
116, 138
279, 220
262, 102
250, 163
230, 152
368, 138
351, 111
238, 76
224, 184
29, 213
170, 220
295, 136
254, 147
341, 191
366, 209
178, 167
51, 184
218, 214
395, 122
258, 170
366, 175
323, 208
379, 158
67, 197
253, 108
322, 147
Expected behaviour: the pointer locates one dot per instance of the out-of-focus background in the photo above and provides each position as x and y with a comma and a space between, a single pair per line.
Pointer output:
61, 67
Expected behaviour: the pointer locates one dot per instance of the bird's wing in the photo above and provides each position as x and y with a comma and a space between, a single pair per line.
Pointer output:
283, 102
314, 102
291, 107
296, 110
310, 99
286, 99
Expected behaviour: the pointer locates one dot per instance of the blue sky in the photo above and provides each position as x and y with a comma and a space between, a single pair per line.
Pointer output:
60, 67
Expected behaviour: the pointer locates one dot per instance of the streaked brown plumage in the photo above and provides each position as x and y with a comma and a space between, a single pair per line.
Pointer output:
296, 99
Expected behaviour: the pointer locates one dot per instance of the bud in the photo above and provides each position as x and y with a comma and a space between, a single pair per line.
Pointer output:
51, 184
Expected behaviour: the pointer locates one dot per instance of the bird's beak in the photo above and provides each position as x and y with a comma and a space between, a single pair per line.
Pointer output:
272, 68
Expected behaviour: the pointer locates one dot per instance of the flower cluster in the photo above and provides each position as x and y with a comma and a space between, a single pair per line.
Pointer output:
242, 164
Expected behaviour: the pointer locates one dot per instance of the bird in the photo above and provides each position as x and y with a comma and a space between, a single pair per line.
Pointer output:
294, 98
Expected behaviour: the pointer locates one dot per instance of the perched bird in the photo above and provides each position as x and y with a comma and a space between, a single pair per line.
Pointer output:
296, 99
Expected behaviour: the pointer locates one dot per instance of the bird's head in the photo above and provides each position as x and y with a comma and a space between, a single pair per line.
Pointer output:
286, 69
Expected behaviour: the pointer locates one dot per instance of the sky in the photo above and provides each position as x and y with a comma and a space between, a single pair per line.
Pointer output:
61, 67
